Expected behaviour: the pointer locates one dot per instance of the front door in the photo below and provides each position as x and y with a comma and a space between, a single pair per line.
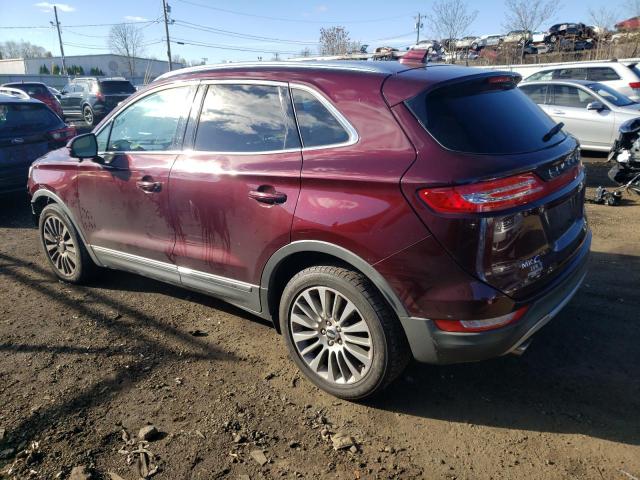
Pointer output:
233, 196
568, 104
125, 200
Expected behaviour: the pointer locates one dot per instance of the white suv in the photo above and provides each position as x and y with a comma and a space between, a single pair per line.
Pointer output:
622, 78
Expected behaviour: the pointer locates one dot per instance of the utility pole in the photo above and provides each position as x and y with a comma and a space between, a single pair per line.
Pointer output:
418, 26
64, 65
166, 8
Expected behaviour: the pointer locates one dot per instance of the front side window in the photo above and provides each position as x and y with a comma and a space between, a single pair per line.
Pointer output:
103, 137
318, 126
568, 96
153, 123
246, 118
570, 73
545, 75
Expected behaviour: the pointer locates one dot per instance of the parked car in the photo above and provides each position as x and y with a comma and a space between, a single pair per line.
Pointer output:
55, 92
91, 98
538, 37
568, 30
465, 42
39, 91
430, 45
438, 212
622, 78
590, 111
517, 36
487, 41
28, 130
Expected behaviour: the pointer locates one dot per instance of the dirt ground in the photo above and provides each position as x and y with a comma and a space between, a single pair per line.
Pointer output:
80, 364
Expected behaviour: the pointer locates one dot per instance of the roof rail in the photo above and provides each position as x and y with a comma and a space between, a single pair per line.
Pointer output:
14, 92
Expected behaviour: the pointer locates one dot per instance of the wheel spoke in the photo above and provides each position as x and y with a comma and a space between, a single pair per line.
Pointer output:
357, 352
303, 320
358, 327
349, 309
310, 348
315, 363
363, 341
355, 373
306, 335
317, 309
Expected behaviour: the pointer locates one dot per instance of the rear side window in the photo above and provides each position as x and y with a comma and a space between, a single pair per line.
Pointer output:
26, 118
484, 118
246, 118
113, 87
318, 126
544, 75
537, 93
602, 74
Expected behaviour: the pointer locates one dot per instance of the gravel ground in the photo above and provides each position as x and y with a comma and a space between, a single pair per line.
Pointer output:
83, 369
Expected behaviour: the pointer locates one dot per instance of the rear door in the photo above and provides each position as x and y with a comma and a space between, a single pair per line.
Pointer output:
568, 104
125, 200
233, 194
115, 91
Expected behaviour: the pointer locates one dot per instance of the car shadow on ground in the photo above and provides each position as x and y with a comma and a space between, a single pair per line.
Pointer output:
581, 371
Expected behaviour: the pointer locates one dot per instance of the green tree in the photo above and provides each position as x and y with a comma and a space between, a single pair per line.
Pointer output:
44, 70
55, 69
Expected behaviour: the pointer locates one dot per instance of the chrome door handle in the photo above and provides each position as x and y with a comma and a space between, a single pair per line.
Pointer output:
268, 197
149, 186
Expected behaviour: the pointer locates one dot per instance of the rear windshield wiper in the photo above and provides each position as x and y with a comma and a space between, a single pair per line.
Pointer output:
555, 129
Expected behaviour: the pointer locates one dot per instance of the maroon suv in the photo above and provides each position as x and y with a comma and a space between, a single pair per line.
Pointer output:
373, 211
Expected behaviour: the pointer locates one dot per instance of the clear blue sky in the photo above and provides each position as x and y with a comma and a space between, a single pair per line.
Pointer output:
376, 22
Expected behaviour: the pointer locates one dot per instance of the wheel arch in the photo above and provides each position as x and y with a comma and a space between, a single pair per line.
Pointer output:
43, 197
302, 254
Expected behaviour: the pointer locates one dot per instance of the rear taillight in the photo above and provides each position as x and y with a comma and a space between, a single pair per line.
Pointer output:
100, 96
634, 84
494, 195
65, 133
483, 325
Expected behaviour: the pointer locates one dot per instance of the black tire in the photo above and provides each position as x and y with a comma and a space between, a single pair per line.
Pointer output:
88, 116
83, 268
391, 352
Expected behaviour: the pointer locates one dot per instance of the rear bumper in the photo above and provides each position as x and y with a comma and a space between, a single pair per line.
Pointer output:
432, 345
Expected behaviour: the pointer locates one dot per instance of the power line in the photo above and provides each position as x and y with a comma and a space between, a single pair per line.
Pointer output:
205, 28
183, 41
296, 20
80, 26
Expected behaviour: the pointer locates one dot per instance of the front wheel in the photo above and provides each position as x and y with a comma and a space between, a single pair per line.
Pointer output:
62, 246
341, 333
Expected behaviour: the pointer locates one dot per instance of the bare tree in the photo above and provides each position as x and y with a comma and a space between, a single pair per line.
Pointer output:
22, 49
450, 20
528, 15
334, 41
603, 19
126, 40
305, 52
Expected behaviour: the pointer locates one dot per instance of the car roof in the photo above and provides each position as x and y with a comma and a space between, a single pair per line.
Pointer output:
560, 82
385, 68
10, 84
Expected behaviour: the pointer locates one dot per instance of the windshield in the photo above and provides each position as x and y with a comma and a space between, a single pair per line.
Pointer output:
25, 118
610, 95
112, 87
485, 116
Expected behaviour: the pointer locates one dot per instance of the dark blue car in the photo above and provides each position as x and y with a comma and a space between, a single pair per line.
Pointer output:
28, 130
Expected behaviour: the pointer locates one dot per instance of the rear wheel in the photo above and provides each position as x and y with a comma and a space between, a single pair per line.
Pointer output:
341, 333
87, 115
64, 250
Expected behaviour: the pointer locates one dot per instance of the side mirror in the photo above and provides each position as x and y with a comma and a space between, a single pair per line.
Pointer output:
83, 146
598, 106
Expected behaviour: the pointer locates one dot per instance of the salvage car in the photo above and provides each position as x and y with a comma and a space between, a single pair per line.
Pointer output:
592, 112
373, 211
28, 130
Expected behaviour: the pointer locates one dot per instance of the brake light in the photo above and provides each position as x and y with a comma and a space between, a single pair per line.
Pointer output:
100, 96
489, 196
634, 84
65, 133
471, 326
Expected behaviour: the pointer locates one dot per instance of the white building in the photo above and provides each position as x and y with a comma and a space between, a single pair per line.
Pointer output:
111, 65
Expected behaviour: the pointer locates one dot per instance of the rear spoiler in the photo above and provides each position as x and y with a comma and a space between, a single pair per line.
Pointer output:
415, 57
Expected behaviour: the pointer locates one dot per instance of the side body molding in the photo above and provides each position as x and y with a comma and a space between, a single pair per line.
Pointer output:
305, 246
43, 192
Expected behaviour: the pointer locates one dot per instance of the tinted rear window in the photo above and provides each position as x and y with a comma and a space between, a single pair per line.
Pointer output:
479, 117
30, 88
112, 87
23, 118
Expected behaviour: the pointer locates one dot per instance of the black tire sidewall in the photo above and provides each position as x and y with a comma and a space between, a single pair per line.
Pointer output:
53, 210
375, 377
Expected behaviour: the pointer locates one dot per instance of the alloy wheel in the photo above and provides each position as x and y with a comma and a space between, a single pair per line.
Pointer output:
59, 246
331, 336
88, 116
